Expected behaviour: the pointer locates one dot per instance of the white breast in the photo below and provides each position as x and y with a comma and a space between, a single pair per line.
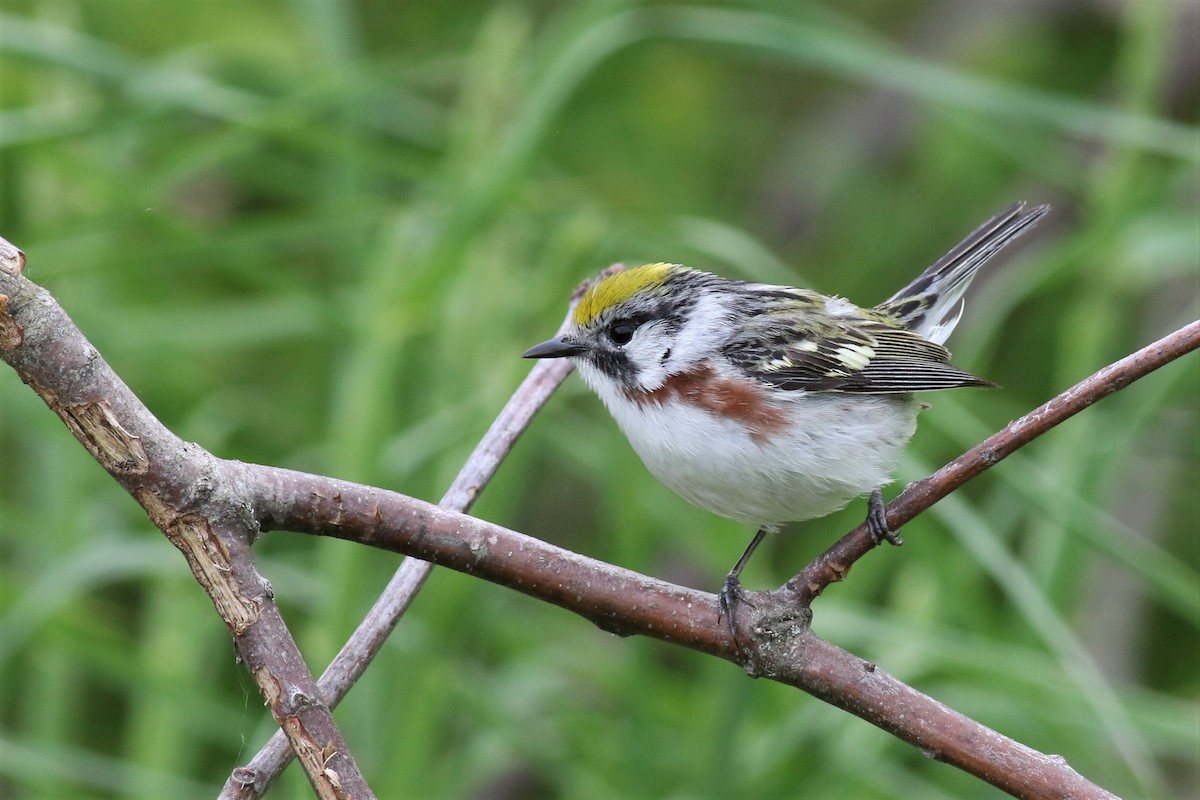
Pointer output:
836, 447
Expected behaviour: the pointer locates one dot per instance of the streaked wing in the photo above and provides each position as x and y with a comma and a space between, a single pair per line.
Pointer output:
870, 354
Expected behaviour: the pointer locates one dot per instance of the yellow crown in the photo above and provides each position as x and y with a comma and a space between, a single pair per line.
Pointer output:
618, 288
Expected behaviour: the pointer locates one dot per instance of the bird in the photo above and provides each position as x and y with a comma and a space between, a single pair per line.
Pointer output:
770, 404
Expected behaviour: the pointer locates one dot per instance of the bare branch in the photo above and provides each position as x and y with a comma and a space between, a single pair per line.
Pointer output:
834, 563
784, 648
187, 493
210, 507
253, 779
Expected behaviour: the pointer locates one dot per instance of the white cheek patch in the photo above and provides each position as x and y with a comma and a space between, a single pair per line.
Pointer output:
660, 349
645, 352
705, 329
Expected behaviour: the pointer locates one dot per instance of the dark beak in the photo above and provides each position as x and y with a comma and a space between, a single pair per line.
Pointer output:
555, 348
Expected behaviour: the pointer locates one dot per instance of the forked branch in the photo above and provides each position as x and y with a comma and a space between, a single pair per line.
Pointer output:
253, 779
212, 509
834, 563
194, 500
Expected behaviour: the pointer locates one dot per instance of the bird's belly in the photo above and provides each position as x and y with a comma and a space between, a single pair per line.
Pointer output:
833, 449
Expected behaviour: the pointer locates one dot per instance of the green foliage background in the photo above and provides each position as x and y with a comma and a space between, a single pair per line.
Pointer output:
318, 234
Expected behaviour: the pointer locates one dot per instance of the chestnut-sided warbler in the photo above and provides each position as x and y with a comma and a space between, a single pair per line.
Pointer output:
771, 404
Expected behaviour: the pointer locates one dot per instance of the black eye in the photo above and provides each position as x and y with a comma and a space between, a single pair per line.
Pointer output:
621, 331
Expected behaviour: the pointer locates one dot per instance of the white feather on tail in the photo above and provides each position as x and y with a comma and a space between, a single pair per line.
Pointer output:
932, 304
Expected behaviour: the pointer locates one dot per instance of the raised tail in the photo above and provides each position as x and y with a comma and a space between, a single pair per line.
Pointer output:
932, 304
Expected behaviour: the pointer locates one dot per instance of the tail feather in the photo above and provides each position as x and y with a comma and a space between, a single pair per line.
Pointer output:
932, 304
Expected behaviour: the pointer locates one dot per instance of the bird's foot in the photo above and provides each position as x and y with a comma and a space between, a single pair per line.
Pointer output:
877, 521
730, 597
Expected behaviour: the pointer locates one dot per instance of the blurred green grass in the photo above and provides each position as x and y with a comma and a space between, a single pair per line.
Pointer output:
319, 235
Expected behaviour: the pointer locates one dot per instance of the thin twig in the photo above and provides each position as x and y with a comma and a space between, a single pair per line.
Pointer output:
253, 779
834, 563
186, 493
51, 355
784, 649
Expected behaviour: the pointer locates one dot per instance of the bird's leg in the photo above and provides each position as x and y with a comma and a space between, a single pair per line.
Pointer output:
877, 520
731, 591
